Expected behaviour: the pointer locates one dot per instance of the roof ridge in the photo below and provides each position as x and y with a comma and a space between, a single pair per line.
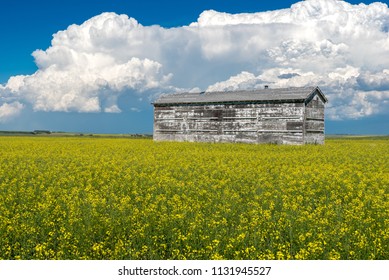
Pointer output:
253, 95
261, 89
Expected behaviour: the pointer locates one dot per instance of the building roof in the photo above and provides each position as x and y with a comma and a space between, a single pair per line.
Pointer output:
296, 94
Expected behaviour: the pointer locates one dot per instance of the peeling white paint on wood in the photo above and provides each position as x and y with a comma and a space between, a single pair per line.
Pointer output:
298, 121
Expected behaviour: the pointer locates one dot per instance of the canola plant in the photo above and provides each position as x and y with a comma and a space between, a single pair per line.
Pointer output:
101, 198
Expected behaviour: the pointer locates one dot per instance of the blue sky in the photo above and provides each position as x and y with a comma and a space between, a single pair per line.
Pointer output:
316, 42
28, 25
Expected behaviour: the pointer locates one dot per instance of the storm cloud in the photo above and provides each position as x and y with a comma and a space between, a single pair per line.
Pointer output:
342, 48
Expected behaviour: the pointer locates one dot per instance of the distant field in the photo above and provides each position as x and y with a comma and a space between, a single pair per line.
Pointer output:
120, 198
47, 133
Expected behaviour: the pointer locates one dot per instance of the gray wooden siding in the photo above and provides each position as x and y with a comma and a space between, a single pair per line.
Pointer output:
314, 122
282, 116
280, 123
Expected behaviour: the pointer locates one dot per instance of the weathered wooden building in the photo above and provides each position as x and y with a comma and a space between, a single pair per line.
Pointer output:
282, 116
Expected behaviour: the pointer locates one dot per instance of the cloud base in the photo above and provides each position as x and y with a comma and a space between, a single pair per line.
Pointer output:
340, 47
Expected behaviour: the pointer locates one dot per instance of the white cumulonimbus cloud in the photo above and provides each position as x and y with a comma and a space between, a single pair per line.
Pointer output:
341, 47
10, 110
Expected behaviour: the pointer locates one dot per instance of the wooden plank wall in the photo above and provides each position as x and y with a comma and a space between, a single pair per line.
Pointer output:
281, 123
314, 122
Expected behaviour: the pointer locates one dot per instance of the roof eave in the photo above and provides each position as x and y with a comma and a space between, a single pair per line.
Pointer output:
230, 102
321, 94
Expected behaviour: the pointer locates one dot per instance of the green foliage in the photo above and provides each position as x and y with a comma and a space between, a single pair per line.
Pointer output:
100, 198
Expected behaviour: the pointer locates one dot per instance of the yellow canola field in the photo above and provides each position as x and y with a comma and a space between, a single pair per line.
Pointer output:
101, 198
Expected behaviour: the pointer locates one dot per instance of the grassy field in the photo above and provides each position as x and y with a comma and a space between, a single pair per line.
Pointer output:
117, 198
